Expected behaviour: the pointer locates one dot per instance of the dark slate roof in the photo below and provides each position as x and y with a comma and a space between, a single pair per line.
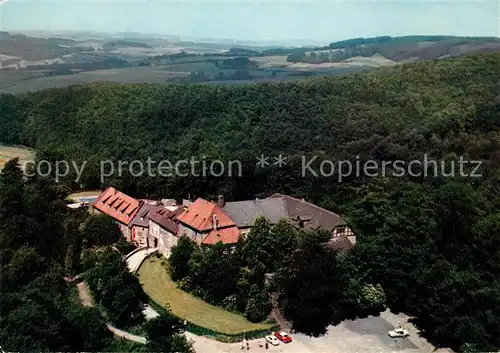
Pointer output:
307, 215
244, 213
303, 214
341, 243
141, 218
166, 219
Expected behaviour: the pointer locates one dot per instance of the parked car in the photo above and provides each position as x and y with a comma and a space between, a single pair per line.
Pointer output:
283, 337
398, 332
272, 340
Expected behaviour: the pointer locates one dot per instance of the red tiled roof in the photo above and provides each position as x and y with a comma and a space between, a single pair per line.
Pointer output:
116, 204
226, 235
199, 216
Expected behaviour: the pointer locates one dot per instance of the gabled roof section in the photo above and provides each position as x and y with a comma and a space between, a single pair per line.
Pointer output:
227, 235
308, 216
199, 216
166, 219
116, 204
141, 218
244, 213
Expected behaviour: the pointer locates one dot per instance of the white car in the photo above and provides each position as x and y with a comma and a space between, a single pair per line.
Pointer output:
398, 333
272, 340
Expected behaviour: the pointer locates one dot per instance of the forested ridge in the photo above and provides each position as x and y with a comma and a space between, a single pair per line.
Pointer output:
431, 243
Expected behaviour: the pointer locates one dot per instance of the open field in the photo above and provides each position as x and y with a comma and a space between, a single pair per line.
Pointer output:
271, 61
125, 75
158, 285
9, 152
10, 78
163, 75
281, 61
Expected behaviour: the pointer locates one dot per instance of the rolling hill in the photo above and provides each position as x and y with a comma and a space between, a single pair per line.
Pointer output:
30, 63
398, 49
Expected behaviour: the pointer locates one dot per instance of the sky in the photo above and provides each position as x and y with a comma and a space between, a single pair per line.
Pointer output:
258, 20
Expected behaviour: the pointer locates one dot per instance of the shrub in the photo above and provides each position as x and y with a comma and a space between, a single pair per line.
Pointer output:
89, 259
124, 246
258, 306
185, 284
100, 230
231, 303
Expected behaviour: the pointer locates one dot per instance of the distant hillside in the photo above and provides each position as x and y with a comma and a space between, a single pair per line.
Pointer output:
397, 49
31, 48
125, 43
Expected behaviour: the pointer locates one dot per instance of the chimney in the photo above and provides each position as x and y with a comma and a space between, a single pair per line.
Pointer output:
220, 201
214, 221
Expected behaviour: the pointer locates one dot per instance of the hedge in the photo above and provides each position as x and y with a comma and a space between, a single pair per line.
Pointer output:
219, 336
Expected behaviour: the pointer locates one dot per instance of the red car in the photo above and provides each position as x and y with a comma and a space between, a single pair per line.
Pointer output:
283, 337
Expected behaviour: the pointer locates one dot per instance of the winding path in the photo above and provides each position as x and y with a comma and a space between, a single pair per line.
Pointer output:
87, 301
136, 257
134, 261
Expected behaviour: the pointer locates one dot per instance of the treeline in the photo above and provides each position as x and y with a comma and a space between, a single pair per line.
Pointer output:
200, 77
354, 42
315, 284
43, 245
431, 242
39, 310
395, 48
125, 43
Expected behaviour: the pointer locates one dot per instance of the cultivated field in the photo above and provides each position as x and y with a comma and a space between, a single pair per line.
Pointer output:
158, 285
281, 61
271, 61
9, 152
125, 75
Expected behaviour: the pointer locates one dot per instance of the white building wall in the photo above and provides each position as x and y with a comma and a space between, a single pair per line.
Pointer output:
166, 240
191, 234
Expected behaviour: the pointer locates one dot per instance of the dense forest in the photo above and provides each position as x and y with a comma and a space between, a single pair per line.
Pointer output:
39, 310
431, 242
354, 42
43, 244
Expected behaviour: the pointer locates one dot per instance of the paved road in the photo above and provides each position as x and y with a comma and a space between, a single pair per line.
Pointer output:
367, 335
84, 294
128, 336
87, 300
149, 312
134, 261
362, 335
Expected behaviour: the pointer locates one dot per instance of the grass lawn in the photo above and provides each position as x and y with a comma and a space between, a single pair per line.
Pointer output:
160, 287
86, 193
75, 196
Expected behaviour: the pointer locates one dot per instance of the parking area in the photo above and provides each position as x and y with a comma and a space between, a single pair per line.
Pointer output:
362, 335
